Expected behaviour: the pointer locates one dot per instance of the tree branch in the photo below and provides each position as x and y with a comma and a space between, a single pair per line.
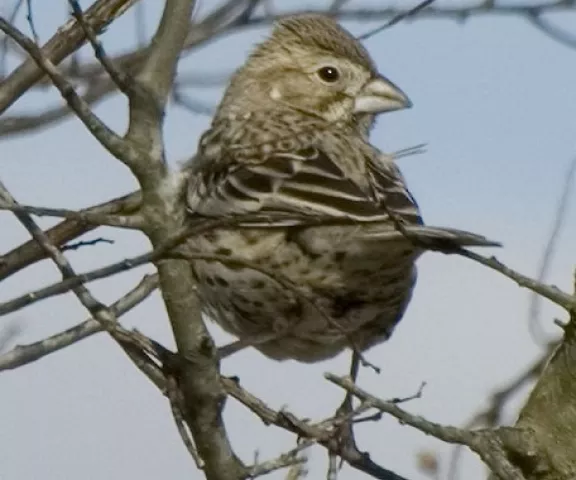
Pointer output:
96, 219
25, 354
68, 38
550, 413
323, 433
123, 150
486, 443
551, 292
30, 252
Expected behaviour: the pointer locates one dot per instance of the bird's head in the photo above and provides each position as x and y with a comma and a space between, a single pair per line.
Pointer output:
313, 65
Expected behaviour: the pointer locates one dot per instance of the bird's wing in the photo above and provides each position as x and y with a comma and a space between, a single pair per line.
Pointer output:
304, 187
298, 185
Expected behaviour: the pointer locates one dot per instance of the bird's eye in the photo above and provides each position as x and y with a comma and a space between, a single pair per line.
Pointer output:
329, 74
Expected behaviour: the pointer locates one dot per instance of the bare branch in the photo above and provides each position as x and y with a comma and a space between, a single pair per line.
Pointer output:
68, 38
25, 354
176, 405
86, 243
548, 28
288, 459
492, 415
397, 19
5, 42
484, 442
547, 256
99, 311
551, 292
18, 124
122, 80
96, 219
123, 150
30, 252
30, 19
322, 433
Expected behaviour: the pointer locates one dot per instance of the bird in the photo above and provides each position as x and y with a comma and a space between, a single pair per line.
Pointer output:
317, 236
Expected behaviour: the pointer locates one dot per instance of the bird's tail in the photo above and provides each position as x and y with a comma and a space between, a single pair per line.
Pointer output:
434, 238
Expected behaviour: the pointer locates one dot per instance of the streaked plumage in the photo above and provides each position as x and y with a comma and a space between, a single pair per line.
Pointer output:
288, 145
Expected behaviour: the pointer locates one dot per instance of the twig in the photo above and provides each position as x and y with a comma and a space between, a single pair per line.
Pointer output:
86, 243
484, 442
68, 38
124, 221
5, 42
176, 403
99, 311
25, 354
71, 282
96, 91
121, 79
30, 252
552, 31
321, 433
551, 244
288, 459
409, 151
147, 102
551, 292
30, 20
120, 148
396, 19
492, 415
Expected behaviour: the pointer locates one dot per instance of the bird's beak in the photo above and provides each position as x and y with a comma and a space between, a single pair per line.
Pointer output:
380, 95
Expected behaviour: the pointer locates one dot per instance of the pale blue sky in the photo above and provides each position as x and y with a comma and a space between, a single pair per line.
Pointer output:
494, 100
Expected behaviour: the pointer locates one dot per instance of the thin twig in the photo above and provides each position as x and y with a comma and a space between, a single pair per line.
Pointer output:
30, 252
99, 311
25, 354
396, 19
552, 31
123, 81
285, 460
5, 42
551, 292
492, 415
30, 20
322, 433
120, 148
551, 245
484, 442
176, 404
86, 243
121, 221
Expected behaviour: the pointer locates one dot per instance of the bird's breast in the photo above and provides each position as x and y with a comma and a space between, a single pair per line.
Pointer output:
304, 292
